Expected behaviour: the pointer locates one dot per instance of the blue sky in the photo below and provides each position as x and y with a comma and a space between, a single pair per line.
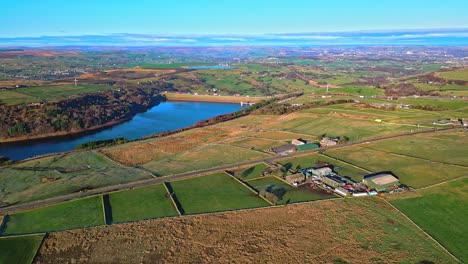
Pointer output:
32, 18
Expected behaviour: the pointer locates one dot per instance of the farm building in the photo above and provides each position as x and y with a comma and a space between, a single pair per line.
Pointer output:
327, 141
465, 122
283, 150
333, 181
308, 146
341, 191
381, 182
295, 178
323, 171
298, 142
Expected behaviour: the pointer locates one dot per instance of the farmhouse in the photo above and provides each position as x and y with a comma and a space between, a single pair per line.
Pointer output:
283, 150
295, 178
381, 182
333, 181
327, 141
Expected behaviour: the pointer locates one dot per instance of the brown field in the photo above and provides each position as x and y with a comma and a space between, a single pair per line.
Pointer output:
144, 151
133, 73
12, 83
315, 83
10, 54
350, 230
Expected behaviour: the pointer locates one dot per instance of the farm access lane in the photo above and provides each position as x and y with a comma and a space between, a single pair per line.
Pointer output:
179, 176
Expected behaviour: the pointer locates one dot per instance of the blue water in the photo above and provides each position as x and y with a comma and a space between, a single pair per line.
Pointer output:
166, 116
221, 67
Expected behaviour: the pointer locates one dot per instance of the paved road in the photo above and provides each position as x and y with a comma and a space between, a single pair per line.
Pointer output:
30, 205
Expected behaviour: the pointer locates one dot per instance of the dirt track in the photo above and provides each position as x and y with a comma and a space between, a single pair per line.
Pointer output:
307, 233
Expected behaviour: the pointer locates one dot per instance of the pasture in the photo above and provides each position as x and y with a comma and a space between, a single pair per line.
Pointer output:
442, 212
251, 172
19, 250
213, 193
11, 97
68, 215
460, 74
56, 92
447, 147
62, 174
142, 203
285, 193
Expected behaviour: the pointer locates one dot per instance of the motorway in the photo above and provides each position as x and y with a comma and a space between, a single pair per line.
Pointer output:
50, 201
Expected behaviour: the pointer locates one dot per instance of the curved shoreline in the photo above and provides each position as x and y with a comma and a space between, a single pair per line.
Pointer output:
170, 98
65, 134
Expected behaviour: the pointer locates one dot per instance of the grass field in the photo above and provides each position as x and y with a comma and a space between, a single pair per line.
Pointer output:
460, 74
68, 215
19, 250
442, 212
215, 192
40, 178
10, 97
353, 90
211, 98
61, 91
173, 65
142, 203
251, 172
411, 171
448, 147
286, 193
340, 125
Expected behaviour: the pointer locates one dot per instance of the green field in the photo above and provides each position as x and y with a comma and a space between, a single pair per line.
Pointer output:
285, 193
68, 215
19, 250
172, 65
215, 192
342, 126
447, 147
354, 90
460, 74
413, 172
41, 178
441, 211
142, 203
61, 91
13, 98
251, 172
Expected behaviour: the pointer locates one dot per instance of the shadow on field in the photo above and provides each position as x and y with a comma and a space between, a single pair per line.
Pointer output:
174, 197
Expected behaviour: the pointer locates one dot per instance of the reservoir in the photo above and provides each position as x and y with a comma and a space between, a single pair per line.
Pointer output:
164, 117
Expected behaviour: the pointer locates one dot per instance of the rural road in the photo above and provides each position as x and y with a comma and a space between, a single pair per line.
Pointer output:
50, 201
